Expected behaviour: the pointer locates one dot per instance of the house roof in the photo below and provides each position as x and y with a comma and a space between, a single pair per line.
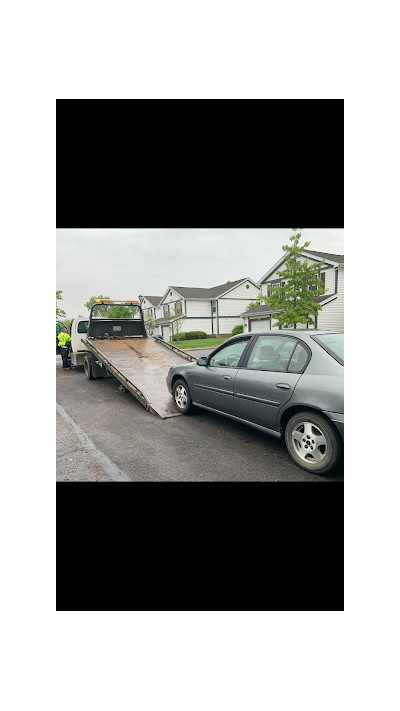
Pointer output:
265, 309
258, 311
155, 300
336, 258
162, 321
189, 292
326, 255
168, 319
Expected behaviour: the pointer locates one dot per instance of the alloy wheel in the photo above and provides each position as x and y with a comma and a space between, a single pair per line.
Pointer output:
181, 396
309, 442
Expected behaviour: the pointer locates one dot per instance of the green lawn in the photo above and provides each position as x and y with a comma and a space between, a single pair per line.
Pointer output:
200, 343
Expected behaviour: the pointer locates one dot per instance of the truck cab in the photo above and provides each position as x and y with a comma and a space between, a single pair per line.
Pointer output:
77, 331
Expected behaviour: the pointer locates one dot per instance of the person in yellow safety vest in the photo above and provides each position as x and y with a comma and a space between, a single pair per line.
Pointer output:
64, 341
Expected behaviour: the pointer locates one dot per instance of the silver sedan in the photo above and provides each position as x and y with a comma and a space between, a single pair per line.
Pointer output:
285, 383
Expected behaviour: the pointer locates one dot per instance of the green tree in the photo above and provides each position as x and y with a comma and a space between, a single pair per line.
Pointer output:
261, 299
177, 328
120, 311
149, 322
59, 312
294, 300
100, 311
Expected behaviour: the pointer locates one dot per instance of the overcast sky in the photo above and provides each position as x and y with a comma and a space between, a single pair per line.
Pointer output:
124, 263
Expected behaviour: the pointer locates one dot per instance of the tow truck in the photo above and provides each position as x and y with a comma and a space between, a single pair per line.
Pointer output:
121, 348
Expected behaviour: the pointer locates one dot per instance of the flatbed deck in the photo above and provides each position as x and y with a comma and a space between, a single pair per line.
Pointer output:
141, 365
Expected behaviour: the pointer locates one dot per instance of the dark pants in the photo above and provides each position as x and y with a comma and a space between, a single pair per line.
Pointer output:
64, 356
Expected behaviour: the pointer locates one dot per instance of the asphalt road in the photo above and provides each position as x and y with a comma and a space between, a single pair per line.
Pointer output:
104, 434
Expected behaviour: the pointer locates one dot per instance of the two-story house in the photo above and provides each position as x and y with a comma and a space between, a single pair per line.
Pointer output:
331, 316
215, 310
151, 310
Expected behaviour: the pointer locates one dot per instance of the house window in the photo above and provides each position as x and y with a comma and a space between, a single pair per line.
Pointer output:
247, 286
320, 275
178, 308
271, 287
214, 307
166, 310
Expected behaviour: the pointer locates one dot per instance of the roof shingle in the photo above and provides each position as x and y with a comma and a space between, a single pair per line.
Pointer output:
155, 300
326, 255
211, 293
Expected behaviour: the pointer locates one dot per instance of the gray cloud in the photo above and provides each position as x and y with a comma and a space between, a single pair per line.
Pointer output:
123, 263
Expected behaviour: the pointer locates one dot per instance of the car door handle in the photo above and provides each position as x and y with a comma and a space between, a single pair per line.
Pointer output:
283, 386
226, 377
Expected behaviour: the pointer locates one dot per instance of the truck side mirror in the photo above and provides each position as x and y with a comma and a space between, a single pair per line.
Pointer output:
202, 361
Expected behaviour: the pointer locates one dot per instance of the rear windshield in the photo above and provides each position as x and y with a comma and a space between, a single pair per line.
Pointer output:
123, 311
333, 343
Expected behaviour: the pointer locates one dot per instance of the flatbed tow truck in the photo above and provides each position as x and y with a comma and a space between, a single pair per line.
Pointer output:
120, 347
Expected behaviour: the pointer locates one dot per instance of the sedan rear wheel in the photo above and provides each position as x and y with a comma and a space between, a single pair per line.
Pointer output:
312, 442
182, 398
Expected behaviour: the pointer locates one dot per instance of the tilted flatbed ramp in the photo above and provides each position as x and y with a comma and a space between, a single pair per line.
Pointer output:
141, 365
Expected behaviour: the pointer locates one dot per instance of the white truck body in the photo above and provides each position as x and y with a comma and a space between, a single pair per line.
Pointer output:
78, 331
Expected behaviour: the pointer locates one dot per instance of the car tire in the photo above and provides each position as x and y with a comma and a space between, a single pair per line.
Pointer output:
87, 367
182, 398
313, 442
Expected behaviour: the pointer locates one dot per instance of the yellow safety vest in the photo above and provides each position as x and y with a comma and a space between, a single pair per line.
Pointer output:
62, 339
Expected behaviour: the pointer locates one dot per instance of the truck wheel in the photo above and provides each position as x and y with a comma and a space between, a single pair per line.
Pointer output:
182, 398
312, 442
88, 368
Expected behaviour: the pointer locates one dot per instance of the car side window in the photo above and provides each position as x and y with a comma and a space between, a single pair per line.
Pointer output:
298, 360
271, 353
229, 356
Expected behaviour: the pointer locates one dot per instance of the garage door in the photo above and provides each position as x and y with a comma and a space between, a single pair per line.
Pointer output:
166, 333
261, 325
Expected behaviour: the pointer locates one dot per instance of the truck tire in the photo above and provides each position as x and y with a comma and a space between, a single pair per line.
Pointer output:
88, 367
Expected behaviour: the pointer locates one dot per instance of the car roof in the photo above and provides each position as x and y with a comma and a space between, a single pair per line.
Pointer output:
303, 335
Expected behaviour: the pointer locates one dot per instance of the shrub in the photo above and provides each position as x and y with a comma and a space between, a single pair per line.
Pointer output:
194, 335
237, 329
180, 337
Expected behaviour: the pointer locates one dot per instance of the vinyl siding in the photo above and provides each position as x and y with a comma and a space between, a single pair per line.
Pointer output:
196, 324
329, 281
146, 304
226, 324
230, 307
260, 325
275, 276
174, 297
332, 315
240, 292
198, 308
148, 308
172, 301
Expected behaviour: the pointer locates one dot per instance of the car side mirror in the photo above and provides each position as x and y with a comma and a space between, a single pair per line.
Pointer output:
202, 361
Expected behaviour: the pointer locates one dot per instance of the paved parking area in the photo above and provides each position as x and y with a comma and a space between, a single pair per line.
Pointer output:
107, 435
